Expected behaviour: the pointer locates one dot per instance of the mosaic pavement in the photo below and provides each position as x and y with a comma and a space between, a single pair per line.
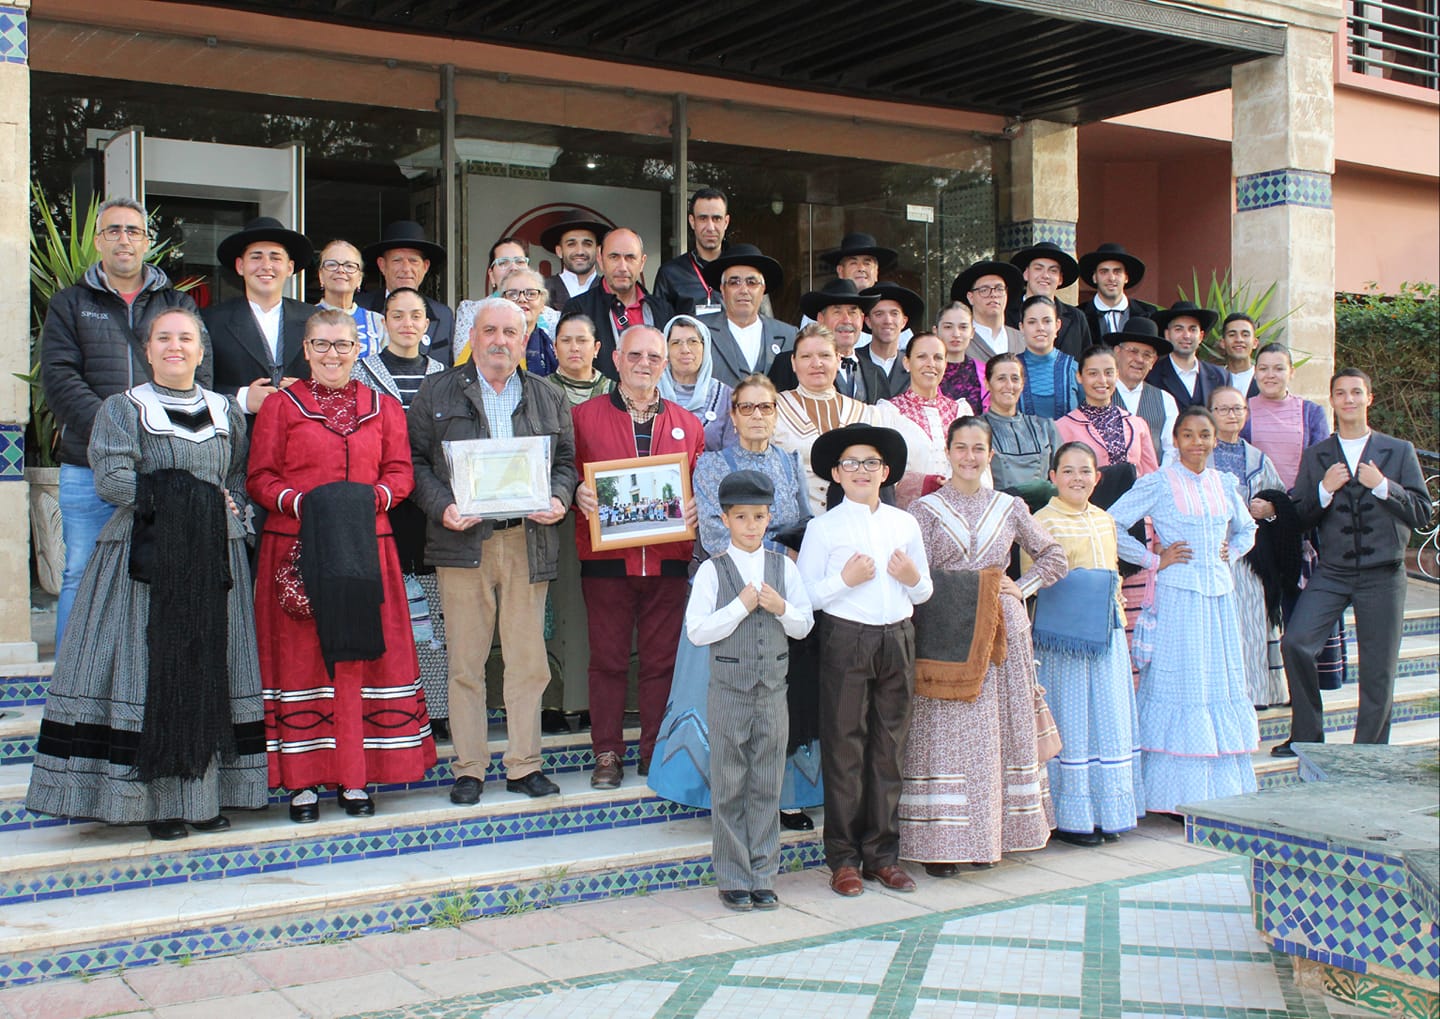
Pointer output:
1173, 944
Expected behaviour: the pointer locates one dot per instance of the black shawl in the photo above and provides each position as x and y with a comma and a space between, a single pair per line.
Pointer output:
1276, 556
340, 564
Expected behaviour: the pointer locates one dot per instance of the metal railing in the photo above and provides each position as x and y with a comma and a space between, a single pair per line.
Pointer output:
1398, 40
1427, 556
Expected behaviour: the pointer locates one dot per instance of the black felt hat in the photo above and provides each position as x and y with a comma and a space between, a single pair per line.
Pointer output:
836, 291
859, 244
747, 254
1139, 329
965, 282
266, 228
1069, 268
405, 233
1183, 309
910, 302
576, 220
1090, 261
827, 450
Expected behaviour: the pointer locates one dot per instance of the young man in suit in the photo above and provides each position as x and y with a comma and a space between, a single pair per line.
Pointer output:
1238, 342
1364, 492
894, 309
1183, 375
742, 340
1048, 269
1112, 271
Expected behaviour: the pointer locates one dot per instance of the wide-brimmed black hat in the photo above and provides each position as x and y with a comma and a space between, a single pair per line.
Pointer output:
1069, 268
859, 244
826, 451
575, 220
1139, 329
836, 291
1183, 309
965, 282
747, 254
266, 228
1090, 261
405, 233
910, 302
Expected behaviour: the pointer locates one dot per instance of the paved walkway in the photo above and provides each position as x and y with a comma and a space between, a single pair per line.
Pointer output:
1146, 928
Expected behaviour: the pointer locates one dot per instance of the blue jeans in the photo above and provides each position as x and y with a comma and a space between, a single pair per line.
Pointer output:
82, 515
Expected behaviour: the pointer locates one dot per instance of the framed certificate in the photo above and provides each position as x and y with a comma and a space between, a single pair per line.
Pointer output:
500, 478
642, 501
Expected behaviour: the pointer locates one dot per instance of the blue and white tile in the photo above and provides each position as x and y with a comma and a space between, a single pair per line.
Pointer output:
1043, 922
1002, 969
860, 962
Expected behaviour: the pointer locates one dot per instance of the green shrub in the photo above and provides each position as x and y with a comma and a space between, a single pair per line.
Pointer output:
1395, 339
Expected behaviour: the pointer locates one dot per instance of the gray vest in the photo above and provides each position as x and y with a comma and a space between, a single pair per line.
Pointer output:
758, 652
1152, 412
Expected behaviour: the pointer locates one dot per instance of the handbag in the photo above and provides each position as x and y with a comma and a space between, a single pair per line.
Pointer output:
290, 586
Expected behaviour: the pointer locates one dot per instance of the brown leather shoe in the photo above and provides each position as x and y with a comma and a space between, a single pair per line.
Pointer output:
608, 771
892, 877
846, 881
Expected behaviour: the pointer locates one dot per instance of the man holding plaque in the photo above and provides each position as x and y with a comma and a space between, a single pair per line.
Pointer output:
643, 586
493, 570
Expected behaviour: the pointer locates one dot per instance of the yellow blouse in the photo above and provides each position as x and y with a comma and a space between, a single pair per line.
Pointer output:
1087, 537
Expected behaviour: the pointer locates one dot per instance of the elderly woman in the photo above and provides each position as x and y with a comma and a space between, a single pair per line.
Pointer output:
344, 705
160, 726
1023, 444
398, 371
341, 271
508, 256
526, 287
967, 800
1197, 725
926, 407
964, 374
679, 767
688, 380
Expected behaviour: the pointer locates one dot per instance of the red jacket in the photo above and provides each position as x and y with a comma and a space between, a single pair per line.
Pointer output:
604, 431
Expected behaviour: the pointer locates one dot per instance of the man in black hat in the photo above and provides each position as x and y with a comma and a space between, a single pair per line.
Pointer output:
1112, 270
742, 340
683, 277
894, 309
839, 307
259, 339
860, 259
989, 288
620, 300
576, 242
1183, 375
1047, 269
1137, 349
404, 255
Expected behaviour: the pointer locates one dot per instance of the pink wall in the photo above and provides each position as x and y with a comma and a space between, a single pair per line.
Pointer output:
1387, 230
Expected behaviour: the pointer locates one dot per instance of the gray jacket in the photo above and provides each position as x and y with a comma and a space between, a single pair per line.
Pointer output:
450, 407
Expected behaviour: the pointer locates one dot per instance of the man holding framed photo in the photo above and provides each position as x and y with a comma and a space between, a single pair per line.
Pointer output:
641, 585
492, 570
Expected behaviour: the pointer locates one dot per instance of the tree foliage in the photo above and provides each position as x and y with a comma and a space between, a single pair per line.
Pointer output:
1393, 338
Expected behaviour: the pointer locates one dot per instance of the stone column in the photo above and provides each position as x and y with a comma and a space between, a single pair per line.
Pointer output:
1044, 191
15, 643
1282, 157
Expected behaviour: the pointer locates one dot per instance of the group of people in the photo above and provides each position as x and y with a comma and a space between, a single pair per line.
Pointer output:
883, 502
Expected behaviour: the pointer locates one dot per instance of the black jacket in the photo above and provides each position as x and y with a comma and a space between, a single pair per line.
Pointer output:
241, 354
678, 282
1074, 335
93, 346
597, 303
1163, 376
557, 293
877, 388
442, 324
1138, 309
450, 407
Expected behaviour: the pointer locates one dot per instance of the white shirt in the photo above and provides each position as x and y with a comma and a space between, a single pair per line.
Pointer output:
1130, 400
1241, 380
269, 323
851, 527
1103, 310
1188, 377
574, 284
1351, 449
883, 363
749, 339
705, 623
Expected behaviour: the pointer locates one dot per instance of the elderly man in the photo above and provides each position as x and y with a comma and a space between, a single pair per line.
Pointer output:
639, 588
620, 300
1112, 271
90, 348
742, 340
1238, 341
682, 278
576, 242
840, 308
526, 287
860, 259
1047, 269
1137, 348
987, 288
894, 309
404, 256
1183, 375
492, 571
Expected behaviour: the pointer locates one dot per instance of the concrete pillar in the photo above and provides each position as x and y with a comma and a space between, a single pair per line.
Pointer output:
1044, 191
1283, 157
15, 643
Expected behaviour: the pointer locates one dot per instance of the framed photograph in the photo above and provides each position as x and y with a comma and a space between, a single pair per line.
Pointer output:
642, 501
500, 478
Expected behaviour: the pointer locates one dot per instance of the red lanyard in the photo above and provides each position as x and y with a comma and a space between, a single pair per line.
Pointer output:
701, 277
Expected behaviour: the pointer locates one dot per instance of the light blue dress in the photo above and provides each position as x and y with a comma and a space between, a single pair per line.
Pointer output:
1197, 725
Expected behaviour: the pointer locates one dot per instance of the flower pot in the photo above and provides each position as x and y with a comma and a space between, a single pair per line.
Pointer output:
46, 535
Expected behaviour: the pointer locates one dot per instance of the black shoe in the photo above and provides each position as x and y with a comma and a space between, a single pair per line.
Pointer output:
534, 784
466, 791
358, 806
306, 813
553, 722
582, 721
440, 728
1282, 750
796, 820
167, 831
217, 823
1108, 836
764, 898
643, 768
1077, 838
983, 866
942, 869
738, 901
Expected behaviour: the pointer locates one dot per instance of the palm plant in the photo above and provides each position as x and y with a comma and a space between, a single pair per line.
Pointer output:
1226, 296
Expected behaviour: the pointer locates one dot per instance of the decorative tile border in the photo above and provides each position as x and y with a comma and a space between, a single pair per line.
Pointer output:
1014, 236
1282, 187
14, 36
1380, 994
12, 437
23, 691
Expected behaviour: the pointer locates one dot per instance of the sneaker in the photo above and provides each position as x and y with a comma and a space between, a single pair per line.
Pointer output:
608, 771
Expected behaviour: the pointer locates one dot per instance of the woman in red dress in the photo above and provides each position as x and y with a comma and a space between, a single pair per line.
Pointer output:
356, 717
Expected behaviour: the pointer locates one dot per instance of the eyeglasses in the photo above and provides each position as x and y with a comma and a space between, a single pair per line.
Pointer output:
870, 465
509, 260
348, 268
636, 357
686, 341
133, 233
995, 291
339, 346
1227, 410
517, 295
748, 282
747, 409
